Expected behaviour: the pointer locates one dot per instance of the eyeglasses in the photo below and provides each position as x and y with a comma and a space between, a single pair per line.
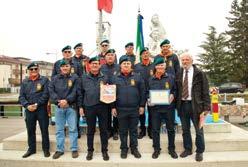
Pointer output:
33, 69
104, 45
67, 51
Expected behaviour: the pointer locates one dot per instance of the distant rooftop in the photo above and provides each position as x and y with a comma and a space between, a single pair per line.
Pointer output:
18, 60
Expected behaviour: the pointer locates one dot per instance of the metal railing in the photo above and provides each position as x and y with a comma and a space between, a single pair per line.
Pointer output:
5, 110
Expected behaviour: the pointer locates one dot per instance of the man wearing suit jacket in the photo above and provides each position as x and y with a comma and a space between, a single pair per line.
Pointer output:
193, 103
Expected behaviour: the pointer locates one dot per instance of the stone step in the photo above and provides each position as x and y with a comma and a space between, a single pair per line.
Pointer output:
213, 159
235, 141
222, 127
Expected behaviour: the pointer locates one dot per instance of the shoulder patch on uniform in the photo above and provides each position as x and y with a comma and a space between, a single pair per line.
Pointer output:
132, 82
151, 72
38, 87
72, 70
69, 83
167, 85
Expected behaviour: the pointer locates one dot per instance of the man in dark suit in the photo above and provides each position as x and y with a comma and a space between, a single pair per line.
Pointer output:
193, 103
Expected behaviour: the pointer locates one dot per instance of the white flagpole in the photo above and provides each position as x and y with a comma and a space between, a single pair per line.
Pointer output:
99, 29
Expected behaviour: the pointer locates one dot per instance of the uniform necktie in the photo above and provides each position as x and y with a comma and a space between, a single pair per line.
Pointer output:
185, 93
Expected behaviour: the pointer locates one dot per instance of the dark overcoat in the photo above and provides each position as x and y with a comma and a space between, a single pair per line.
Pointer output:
199, 92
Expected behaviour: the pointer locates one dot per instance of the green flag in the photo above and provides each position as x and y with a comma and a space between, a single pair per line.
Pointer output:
139, 38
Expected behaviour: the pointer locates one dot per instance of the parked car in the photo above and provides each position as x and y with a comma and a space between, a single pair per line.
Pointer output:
231, 87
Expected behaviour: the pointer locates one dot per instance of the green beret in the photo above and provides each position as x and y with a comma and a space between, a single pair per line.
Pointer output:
68, 47
32, 64
78, 45
129, 44
63, 62
158, 60
94, 59
124, 58
166, 41
110, 51
104, 41
143, 50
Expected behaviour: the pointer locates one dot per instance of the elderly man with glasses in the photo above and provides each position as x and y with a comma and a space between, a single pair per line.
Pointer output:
34, 97
104, 46
67, 55
129, 47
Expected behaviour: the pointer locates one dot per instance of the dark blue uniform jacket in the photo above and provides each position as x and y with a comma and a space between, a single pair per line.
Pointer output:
167, 82
32, 92
130, 91
64, 87
90, 89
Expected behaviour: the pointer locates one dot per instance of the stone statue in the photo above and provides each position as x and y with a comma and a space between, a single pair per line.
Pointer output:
157, 35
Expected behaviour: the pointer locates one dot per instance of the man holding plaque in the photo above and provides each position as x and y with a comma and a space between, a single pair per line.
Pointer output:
129, 105
93, 108
193, 103
162, 91
110, 69
145, 69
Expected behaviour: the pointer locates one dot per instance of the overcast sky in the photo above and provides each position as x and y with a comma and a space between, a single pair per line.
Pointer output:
31, 28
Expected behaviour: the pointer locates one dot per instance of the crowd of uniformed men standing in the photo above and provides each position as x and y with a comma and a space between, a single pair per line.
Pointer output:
75, 90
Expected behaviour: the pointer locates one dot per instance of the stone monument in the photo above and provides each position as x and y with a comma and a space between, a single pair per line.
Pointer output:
156, 36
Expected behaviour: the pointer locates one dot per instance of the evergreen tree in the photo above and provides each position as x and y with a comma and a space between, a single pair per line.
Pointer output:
238, 41
215, 60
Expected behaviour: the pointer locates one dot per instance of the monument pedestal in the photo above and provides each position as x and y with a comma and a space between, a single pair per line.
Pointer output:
227, 146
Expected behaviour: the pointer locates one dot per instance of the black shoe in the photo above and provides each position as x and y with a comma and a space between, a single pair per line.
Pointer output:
65, 131
142, 134
47, 154
89, 155
110, 134
136, 153
199, 157
74, 154
115, 136
185, 153
105, 156
173, 154
79, 135
123, 154
150, 134
155, 154
57, 154
28, 153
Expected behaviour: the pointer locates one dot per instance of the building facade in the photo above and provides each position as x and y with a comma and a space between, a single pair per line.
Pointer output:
14, 69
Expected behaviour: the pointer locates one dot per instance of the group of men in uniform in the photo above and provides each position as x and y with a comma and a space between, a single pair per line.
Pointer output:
75, 90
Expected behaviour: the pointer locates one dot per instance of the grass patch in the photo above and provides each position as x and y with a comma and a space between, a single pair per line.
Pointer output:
16, 110
12, 111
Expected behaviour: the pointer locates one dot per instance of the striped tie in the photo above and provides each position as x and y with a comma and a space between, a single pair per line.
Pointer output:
185, 93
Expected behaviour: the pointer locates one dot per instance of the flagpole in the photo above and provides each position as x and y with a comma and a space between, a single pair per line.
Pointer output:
99, 29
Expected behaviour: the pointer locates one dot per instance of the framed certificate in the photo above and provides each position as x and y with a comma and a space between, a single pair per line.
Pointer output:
160, 97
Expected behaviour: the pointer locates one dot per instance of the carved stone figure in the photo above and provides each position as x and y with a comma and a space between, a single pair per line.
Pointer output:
156, 36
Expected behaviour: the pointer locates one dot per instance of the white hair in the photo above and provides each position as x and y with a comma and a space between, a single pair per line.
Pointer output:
187, 54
